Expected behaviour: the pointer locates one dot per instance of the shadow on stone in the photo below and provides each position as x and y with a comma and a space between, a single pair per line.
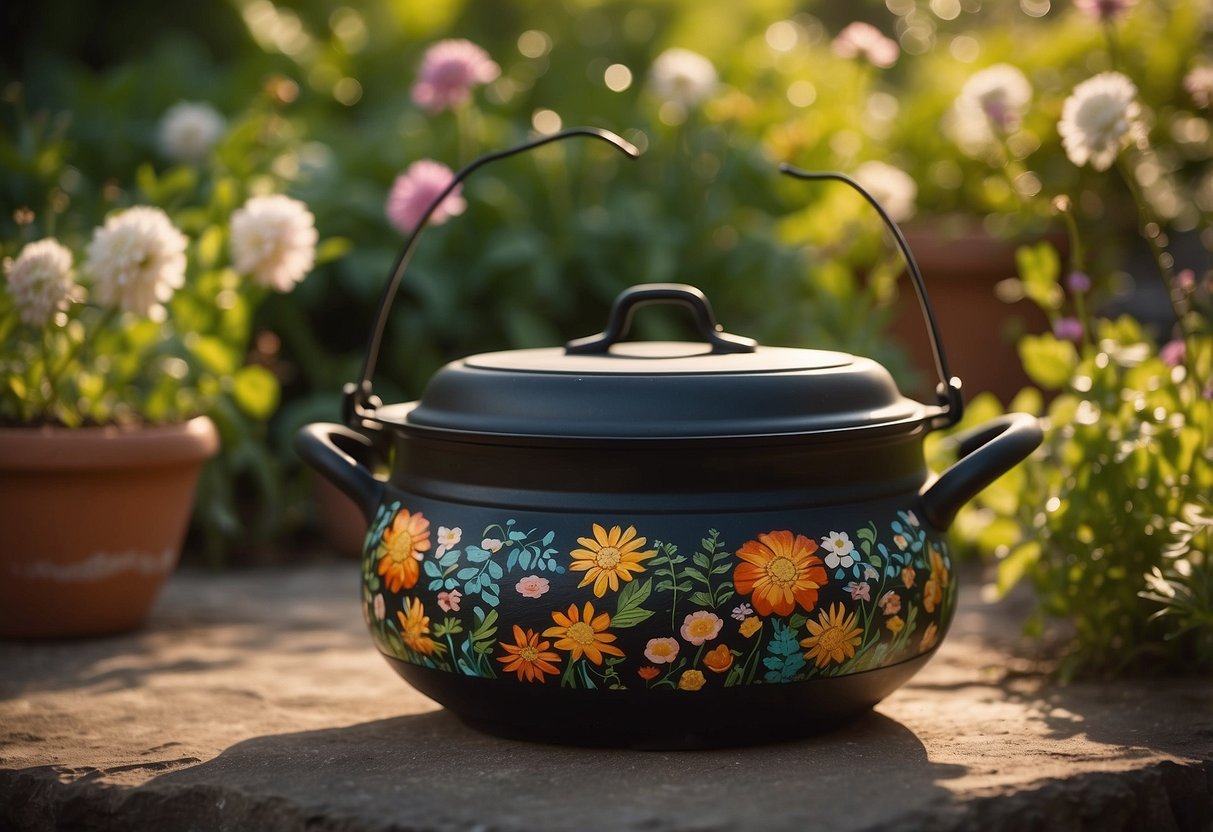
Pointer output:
429, 770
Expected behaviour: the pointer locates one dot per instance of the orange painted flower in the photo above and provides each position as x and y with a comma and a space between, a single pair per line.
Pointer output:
583, 633
931, 593
719, 659
691, 680
907, 576
929, 636
780, 570
939, 568
750, 626
529, 657
833, 636
610, 557
400, 550
648, 672
415, 629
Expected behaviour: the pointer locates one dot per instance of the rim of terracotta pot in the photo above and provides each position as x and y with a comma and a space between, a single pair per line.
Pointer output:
48, 447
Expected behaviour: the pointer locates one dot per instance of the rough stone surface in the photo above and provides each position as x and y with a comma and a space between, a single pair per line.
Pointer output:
254, 700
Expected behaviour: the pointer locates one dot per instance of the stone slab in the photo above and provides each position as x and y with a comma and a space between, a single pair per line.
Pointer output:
255, 700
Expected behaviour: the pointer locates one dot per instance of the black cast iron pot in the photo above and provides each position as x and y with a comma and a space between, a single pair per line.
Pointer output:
658, 544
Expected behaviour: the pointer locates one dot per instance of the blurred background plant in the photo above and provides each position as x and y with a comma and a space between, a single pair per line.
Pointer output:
947, 109
1110, 519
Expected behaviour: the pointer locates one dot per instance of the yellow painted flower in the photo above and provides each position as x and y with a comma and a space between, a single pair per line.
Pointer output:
415, 629
610, 557
691, 680
781, 570
750, 626
895, 624
833, 636
529, 657
400, 550
583, 633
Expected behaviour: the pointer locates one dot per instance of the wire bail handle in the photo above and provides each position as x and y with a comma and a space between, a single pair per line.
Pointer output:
359, 402
948, 392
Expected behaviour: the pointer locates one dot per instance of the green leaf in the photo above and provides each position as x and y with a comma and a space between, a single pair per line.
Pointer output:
216, 356
1014, 566
628, 612
210, 246
1039, 269
332, 249
1048, 361
255, 390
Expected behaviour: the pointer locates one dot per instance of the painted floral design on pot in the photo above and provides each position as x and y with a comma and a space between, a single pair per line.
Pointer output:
612, 607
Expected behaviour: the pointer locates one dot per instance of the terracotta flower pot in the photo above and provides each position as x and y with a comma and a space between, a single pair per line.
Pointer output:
91, 523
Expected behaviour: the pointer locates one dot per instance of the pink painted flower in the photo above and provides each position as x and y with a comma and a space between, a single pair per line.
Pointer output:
1173, 352
701, 626
859, 591
661, 650
899, 540
1104, 9
532, 586
380, 607
414, 191
449, 601
864, 40
491, 544
890, 603
449, 69
742, 611
447, 539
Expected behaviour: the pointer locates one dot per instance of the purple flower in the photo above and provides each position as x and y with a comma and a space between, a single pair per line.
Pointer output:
1078, 282
415, 189
1186, 280
1173, 352
1105, 9
448, 71
1068, 329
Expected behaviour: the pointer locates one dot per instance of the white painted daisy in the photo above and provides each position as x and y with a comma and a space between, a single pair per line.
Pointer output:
840, 550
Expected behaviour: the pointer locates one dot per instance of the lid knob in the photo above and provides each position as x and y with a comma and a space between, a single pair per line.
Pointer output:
631, 299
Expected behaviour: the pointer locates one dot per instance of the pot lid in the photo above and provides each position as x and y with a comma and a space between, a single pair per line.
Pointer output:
602, 387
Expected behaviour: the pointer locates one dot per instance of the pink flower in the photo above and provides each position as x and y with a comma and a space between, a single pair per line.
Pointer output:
414, 191
661, 650
742, 611
862, 590
448, 71
1104, 9
532, 586
380, 607
449, 601
1078, 282
864, 40
490, 544
1173, 352
701, 626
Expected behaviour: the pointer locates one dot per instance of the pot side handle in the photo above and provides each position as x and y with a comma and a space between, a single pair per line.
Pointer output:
345, 458
984, 453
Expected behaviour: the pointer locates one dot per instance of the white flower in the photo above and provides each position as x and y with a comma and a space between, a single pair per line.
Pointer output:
189, 130
1097, 119
490, 544
840, 550
893, 188
683, 77
447, 539
136, 261
991, 104
1199, 84
274, 239
40, 280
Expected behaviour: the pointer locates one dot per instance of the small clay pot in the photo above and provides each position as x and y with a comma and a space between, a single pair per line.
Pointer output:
91, 523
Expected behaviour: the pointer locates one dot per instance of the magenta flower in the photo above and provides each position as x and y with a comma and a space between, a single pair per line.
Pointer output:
1173, 352
448, 71
1105, 9
864, 40
415, 189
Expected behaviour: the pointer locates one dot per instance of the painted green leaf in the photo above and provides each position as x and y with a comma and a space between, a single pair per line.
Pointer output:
628, 612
